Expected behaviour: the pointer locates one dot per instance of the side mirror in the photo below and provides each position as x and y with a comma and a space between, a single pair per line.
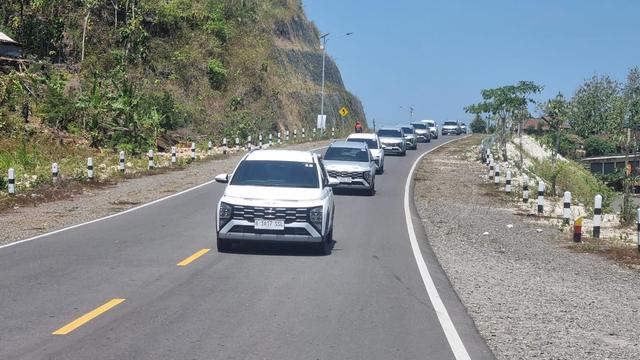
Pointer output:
222, 178
384, 146
333, 182
320, 156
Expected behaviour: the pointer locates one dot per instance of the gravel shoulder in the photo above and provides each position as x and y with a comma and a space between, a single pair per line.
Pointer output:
530, 296
93, 203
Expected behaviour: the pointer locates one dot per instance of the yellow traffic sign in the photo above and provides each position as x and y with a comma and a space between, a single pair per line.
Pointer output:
343, 111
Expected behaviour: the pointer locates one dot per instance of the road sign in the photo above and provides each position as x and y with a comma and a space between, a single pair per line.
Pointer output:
321, 123
343, 111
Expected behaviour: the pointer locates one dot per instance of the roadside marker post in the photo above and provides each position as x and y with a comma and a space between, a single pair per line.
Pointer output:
577, 230
295, 134
489, 157
314, 133
270, 139
193, 151
237, 143
12, 182
151, 165
638, 229
260, 141
209, 148
279, 138
121, 162
54, 172
303, 134
540, 197
491, 170
507, 186
90, 168
224, 146
287, 136
597, 216
566, 211
497, 175
333, 133
249, 142
525, 189
174, 156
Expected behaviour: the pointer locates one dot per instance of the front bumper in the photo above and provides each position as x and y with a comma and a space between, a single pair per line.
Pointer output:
393, 149
449, 131
354, 184
243, 230
422, 137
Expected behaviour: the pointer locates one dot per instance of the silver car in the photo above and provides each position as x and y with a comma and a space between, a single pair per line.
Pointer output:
422, 131
393, 141
352, 165
375, 147
410, 137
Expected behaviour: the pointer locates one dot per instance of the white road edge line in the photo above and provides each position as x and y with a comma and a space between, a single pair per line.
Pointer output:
119, 213
457, 347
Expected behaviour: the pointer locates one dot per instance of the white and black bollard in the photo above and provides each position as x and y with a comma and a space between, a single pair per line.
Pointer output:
303, 133
210, 148
90, 168
279, 138
597, 216
260, 141
224, 146
496, 177
314, 133
525, 189
121, 162
566, 208
270, 139
507, 181
249, 142
540, 197
193, 151
12, 182
54, 172
333, 133
295, 134
151, 165
287, 137
237, 143
489, 156
638, 229
491, 169
174, 155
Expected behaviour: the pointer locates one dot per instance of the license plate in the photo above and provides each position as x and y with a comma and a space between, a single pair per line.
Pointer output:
262, 224
344, 179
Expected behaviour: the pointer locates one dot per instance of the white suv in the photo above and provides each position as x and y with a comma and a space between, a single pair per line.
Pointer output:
277, 195
375, 147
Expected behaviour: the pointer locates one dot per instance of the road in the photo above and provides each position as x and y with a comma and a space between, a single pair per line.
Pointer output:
366, 300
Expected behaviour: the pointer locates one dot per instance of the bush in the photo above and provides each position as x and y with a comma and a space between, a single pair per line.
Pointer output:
567, 145
217, 74
478, 125
595, 146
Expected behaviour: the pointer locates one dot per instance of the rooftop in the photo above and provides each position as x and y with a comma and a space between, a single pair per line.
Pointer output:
281, 155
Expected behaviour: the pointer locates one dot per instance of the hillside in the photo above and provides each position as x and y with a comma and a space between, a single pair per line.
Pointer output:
156, 72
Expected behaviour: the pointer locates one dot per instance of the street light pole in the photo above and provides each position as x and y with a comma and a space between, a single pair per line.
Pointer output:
323, 43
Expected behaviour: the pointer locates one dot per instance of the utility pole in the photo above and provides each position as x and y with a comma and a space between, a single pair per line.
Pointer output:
411, 113
323, 44
374, 125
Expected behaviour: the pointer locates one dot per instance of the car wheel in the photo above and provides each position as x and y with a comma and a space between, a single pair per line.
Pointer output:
224, 245
324, 248
372, 189
403, 153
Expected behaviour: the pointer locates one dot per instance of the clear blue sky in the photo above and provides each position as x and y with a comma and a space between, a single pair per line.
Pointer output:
438, 55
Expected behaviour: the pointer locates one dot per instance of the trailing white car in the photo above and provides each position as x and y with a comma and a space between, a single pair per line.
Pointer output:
352, 165
277, 195
375, 147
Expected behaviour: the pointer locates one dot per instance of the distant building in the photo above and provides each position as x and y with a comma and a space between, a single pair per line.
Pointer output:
539, 125
9, 48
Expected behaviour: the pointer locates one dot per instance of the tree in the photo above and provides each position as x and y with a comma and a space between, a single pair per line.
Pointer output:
630, 114
555, 114
504, 102
478, 125
594, 107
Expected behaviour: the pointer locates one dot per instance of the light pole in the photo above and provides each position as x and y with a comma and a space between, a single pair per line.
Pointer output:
323, 45
411, 109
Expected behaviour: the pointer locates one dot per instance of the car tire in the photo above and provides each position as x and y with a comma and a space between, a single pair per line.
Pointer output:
403, 153
324, 248
372, 189
224, 245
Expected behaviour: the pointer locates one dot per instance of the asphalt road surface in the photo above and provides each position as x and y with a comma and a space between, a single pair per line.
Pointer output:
113, 289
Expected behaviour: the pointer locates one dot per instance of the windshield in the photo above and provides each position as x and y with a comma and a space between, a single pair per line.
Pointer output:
407, 130
346, 154
419, 126
451, 123
276, 173
388, 133
372, 143
430, 123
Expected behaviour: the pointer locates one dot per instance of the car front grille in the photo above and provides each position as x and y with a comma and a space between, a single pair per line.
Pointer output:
244, 229
250, 213
345, 174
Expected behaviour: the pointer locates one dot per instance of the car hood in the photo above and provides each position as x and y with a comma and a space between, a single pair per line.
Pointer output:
390, 140
420, 131
272, 193
346, 165
449, 126
409, 136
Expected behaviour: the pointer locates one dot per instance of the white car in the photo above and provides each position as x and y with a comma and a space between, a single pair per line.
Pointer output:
433, 128
352, 165
277, 195
375, 147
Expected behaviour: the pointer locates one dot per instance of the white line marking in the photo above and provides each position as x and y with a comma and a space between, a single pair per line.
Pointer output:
117, 214
457, 347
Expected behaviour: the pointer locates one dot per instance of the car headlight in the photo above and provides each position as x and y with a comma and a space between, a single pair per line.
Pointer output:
315, 217
224, 213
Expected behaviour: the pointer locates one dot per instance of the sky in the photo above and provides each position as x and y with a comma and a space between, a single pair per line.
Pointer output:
437, 55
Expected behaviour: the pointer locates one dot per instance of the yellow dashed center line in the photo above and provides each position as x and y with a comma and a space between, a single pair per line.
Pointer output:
193, 257
88, 317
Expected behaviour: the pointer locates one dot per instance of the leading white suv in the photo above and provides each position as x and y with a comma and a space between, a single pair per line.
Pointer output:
375, 147
277, 195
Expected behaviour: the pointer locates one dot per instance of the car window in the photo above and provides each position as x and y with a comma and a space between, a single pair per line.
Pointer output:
419, 126
276, 174
372, 143
347, 154
451, 123
407, 130
389, 133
